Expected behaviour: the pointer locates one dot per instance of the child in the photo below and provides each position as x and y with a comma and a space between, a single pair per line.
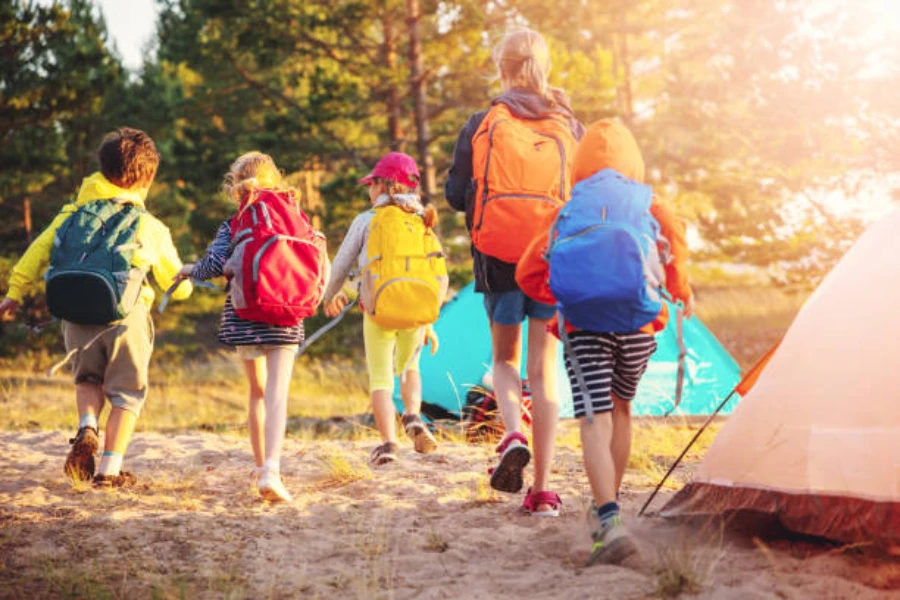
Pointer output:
111, 351
389, 350
612, 364
528, 191
267, 351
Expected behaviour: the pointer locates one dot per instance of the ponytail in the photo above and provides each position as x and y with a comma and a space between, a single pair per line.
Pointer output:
430, 216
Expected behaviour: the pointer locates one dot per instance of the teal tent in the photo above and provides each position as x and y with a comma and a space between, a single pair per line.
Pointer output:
710, 372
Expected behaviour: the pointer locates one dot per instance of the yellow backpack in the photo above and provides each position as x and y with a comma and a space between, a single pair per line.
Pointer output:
405, 277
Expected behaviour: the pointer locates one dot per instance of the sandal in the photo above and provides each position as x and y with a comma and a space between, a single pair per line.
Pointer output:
514, 456
385, 453
535, 499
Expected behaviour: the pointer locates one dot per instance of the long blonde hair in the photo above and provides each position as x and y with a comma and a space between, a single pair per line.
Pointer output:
523, 60
250, 172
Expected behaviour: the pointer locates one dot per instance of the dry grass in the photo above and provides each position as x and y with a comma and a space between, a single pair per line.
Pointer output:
209, 395
687, 565
341, 469
747, 320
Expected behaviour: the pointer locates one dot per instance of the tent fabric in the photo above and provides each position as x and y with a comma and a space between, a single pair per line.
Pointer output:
465, 357
816, 443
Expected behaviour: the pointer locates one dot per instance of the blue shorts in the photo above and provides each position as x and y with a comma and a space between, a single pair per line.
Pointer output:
511, 308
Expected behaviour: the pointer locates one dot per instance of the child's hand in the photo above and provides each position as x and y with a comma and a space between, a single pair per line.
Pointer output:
431, 338
334, 306
8, 309
185, 272
688, 310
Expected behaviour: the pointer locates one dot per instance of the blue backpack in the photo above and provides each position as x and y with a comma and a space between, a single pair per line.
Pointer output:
605, 269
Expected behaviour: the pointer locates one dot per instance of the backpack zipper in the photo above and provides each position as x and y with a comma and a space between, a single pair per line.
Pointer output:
562, 155
384, 285
258, 257
487, 169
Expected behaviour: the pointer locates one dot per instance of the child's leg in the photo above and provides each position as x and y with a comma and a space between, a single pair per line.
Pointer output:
256, 376
599, 465
89, 398
409, 348
621, 437
506, 341
279, 365
632, 354
406, 366
119, 429
541, 368
380, 345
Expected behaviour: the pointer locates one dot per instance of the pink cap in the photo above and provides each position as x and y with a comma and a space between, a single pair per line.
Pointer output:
395, 166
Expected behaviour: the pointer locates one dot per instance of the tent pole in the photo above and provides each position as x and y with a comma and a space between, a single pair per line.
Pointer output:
688, 447
744, 386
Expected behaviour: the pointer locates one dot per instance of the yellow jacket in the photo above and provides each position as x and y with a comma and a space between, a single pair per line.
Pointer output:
157, 253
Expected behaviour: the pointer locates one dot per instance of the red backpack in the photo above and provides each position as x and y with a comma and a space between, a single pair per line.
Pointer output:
278, 260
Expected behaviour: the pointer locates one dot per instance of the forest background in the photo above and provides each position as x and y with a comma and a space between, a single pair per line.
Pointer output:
772, 124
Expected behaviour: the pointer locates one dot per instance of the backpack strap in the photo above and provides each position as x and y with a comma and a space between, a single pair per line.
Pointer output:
576, 366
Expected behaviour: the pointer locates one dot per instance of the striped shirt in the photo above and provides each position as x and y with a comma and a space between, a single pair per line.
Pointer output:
233, 330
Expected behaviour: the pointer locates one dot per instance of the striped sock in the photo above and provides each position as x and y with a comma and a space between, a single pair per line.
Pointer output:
88, 421
110, 464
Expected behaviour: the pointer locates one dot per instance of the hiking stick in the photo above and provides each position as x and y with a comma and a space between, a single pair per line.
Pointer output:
325, 328
743, 387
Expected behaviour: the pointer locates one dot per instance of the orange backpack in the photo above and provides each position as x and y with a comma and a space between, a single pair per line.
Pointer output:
522, 169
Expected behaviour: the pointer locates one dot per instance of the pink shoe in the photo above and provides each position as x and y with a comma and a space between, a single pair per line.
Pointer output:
514, 456
535, 499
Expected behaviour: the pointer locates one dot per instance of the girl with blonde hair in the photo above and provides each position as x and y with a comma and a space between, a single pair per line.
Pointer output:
509, 188
390, 352
267, 351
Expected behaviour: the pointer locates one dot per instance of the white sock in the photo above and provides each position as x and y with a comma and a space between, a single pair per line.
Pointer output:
110, 464
88, 421
272, 465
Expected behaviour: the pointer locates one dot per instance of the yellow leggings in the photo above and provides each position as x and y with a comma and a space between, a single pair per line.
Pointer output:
390, 352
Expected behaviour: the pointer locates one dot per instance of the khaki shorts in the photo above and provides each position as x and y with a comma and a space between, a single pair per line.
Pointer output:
119, 360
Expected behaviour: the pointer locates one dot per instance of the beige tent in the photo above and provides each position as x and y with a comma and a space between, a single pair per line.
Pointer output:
816, 442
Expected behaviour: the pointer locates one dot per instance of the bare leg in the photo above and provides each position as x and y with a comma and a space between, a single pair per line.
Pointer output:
621, 437
541, 367
596, 438
119, 429
256, 375
507, 351
385, 415
89, 398
279, 365
411, 392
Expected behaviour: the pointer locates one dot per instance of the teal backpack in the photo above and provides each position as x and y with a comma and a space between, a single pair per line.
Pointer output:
91, 279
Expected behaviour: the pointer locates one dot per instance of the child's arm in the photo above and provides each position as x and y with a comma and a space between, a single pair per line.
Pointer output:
166, 265
30, 268
673, 229
213, 262
347, 254
460, 177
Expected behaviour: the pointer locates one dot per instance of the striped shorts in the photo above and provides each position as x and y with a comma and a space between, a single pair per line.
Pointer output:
611, 363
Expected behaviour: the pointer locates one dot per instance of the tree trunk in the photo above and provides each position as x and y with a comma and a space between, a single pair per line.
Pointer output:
392, 100
417, 88
622, 67
26, 218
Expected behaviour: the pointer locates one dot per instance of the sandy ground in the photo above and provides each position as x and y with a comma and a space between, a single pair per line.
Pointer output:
427, 527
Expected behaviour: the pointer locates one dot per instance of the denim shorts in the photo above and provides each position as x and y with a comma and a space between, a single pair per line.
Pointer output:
511, 308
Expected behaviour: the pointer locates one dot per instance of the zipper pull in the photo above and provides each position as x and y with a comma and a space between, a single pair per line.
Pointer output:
603, 213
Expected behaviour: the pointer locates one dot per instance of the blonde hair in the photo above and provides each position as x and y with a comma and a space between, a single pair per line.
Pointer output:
250, 172
393, 188
523, 60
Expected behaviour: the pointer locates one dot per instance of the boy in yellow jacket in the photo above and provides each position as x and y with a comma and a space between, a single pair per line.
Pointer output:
111, 360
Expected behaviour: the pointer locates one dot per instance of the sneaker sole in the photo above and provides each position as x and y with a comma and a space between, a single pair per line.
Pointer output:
507, 477
80, 463
384, 459
616, 553
422, 439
